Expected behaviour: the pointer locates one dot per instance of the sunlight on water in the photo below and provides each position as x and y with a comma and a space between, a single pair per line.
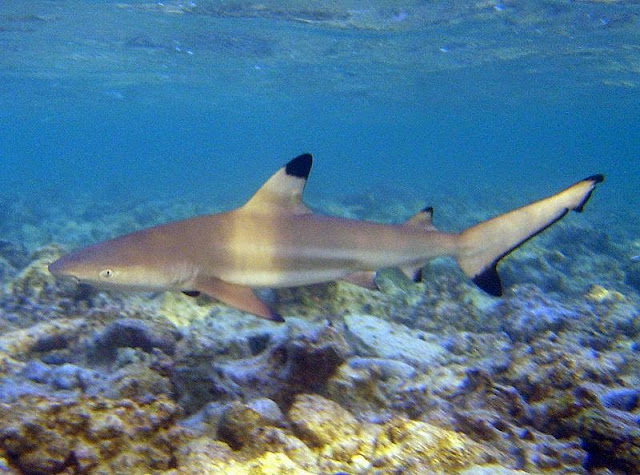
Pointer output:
205, 99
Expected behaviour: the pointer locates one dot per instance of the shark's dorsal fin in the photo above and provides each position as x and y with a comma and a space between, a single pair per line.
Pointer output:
283, 191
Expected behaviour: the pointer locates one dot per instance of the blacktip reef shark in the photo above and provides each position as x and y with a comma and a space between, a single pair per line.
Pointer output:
275, 241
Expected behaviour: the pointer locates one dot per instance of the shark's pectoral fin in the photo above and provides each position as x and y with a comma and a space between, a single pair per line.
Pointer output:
365, 279
237, 296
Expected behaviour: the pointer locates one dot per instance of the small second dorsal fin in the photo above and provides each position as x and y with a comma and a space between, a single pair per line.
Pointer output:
422, 219
283, 191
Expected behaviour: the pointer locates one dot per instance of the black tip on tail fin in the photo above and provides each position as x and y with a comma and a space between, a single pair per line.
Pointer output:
300, 166
595, 179
489, 281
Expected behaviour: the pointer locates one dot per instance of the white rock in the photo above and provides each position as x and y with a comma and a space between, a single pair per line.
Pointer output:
373, 336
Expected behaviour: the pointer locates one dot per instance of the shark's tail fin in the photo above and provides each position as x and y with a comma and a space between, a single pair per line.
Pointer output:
482, 246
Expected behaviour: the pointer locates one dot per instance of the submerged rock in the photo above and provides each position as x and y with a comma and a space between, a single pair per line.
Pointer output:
263, 360
373, 336
325, 438
34, 280
89, 435
41, 338
534, 315
14, 253
133, 333
319, 421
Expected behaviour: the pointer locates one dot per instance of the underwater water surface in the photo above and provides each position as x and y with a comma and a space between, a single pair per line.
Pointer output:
206, 99
118, 115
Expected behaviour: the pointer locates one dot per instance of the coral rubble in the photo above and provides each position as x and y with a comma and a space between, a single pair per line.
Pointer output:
418, 378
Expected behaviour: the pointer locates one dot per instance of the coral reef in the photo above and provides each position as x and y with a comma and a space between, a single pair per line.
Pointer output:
92, 435
41, 435
417, 378
432, 377
319, 436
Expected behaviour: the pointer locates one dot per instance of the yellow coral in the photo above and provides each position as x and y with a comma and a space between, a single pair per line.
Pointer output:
329, 439
321, 421
205, 457
416, 447
104, 436
268, 464
182, 310
398, 446
41, 435
599, 294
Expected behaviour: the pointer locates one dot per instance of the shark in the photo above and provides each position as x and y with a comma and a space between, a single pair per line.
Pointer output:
275, 240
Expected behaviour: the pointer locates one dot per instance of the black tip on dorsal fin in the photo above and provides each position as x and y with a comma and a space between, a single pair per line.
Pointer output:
300, 166
489, 281
599, 178
283, 190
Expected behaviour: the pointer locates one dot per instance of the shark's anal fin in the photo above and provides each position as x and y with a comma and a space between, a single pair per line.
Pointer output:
414, 274
237, 296
365, 279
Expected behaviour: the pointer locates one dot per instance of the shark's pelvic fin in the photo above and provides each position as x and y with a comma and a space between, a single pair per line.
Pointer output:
283, 191
237, 296
482, 246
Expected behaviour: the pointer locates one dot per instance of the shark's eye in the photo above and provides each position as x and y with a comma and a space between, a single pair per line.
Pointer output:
106, 273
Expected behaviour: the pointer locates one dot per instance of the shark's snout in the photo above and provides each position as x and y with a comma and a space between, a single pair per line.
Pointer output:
56, 268
60, 269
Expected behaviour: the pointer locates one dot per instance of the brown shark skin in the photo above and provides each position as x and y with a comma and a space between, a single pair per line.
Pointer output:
267, 252
276, 241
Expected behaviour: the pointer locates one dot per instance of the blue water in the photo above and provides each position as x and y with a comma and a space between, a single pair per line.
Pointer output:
203, 101
120, 114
